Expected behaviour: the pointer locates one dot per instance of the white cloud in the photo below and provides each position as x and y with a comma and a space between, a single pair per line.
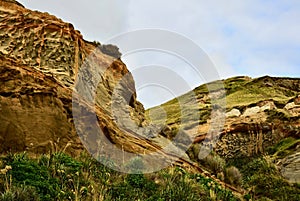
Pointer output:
96, 19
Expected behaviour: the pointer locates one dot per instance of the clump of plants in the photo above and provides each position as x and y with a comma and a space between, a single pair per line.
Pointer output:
217, 165
111, 50
233, 176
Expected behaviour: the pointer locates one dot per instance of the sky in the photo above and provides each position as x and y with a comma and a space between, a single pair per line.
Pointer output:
249, 37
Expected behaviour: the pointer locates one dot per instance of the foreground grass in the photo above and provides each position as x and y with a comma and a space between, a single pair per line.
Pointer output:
61, 177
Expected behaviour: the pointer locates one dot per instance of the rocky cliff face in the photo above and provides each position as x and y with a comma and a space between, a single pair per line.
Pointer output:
41, 61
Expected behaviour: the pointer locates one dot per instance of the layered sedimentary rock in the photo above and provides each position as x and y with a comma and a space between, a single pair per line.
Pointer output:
42, 59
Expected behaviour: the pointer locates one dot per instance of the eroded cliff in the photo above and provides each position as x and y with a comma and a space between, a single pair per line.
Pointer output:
41, 57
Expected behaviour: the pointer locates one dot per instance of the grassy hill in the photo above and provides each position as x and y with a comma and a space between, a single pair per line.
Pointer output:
241, 92
258, 148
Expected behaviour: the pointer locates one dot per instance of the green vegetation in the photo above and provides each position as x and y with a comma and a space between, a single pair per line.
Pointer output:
181, 113
265, 181
111, 50
241, 92
217, 166
284, 147
214, 163
61, 177
257, 175
250, 91
274, 115
233, 176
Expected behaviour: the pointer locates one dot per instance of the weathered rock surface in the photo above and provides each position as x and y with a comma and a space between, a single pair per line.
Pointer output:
261, 107
42, 61
290, 166
233, 113
293, 109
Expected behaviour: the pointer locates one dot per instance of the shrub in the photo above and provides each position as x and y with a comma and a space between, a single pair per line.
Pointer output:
233, 176
134, 187
28, 172
111, 50
176, 184
266, 182
214, 189
215, 163
258, 166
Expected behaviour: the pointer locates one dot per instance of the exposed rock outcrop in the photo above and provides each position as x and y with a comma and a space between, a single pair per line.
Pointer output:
233, 113
290, 167
42, 61
293, 109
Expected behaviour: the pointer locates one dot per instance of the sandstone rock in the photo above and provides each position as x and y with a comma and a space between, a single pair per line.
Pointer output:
268, 105
297, 100
290, 106
290, 168
251, 111
233, 113
263, 106
59, 91
42, 61
292, 109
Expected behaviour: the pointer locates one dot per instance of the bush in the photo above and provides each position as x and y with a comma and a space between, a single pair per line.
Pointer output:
134, 187
258, 166
215, 163
233, 176
176, 184
111, 50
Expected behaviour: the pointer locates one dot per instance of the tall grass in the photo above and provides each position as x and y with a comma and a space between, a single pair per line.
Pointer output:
57, 176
